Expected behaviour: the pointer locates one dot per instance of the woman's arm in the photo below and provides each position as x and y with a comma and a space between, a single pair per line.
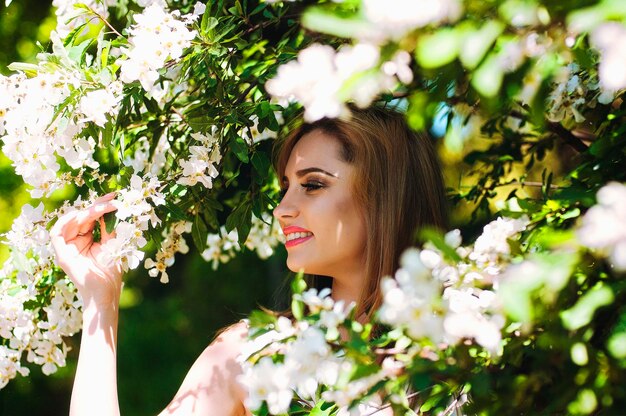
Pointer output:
210, 387
99, 286
95, 384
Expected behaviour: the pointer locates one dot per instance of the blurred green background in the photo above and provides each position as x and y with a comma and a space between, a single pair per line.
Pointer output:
163, 328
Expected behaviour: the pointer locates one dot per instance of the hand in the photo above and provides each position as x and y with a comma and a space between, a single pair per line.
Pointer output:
78, 254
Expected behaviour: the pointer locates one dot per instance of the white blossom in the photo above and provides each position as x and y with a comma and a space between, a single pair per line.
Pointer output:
322, 79
157, 37
412, 300
265, 235
269, 382
172, 243
201, 166
220, 248
97, 104
603, 227
394, 18
610, 39
199, 8
493, 241
135, 213
469, 317
33, 138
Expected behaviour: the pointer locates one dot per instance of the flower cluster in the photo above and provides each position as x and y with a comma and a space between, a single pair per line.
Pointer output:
393, 19
265, 234
445, 300
413, 300
603, 227
201, 166
610, 39
141, 161
136, 214
574, 90
34, 333
34, 136
317, 79
30, 271
305, 362
157, 37
96, 105
438, 298
173, 243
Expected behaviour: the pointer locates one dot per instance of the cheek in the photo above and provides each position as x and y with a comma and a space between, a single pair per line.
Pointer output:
354, 232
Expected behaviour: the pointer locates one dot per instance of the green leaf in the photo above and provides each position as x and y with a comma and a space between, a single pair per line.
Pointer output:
241, 220
582, 312
539, 277
261, 163
321, 20
298, 285
30, 69
297, 308
77, 52
208, 22
475, 45
175, 213
438, 49
107, 135
200, 124
585, 20
199, 233
435, 237
240, 148
487, 80
261, 319
319, 410
617, 345
110, 221
151, 105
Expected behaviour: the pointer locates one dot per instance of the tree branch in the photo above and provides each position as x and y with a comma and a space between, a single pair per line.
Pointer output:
567, 136
557, 128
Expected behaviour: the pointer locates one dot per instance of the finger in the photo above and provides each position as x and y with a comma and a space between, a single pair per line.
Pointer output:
64, 225
108, 197
87, 218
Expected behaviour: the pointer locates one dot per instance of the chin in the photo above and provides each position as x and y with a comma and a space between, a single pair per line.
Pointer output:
297, 266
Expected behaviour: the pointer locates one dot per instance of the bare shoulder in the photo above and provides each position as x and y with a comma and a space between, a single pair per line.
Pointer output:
211, 385
235, 336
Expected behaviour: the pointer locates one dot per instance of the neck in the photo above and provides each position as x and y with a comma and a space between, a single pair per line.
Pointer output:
348, 289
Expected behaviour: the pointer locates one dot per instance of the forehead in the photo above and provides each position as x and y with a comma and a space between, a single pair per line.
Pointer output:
316, 149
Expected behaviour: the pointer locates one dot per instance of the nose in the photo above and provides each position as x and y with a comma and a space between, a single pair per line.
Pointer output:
286, 208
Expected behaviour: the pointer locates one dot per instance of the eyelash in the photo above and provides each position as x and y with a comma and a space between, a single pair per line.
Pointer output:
308, 186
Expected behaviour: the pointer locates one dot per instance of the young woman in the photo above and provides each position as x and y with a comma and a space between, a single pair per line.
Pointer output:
354, 193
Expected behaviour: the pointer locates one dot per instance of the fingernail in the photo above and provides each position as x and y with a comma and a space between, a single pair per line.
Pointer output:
110, 194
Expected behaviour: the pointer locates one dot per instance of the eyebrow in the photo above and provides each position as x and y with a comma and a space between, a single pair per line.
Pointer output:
300, 173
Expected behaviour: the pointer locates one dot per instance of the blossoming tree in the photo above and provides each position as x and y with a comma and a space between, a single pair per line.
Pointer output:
171, 104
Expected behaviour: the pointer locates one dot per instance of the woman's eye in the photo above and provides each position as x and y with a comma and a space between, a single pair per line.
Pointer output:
312, 186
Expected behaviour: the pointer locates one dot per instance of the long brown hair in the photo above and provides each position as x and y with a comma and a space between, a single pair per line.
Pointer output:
398, 185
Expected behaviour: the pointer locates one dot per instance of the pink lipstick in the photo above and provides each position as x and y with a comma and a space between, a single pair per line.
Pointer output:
296, 235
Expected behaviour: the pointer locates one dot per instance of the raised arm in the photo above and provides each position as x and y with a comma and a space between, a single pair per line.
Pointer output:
99, 285
210, 387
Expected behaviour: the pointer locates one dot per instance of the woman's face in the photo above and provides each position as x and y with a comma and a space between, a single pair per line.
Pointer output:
323, 224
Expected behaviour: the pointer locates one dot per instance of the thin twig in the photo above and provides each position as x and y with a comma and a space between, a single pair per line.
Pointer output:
557, 128
105, 21
515, 183
567, 136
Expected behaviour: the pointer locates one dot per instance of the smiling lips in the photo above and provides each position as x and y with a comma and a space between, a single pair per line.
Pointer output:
296, 235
